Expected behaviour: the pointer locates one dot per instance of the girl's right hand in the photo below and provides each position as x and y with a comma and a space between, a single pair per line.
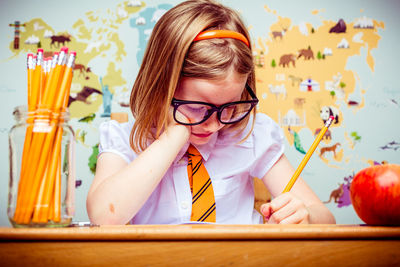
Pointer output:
120, 189
180, 116
285, 209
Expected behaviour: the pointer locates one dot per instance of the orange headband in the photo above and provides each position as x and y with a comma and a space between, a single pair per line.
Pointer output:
221, 34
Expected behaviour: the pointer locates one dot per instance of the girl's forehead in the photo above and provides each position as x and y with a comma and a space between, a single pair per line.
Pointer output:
216, 91
230, 77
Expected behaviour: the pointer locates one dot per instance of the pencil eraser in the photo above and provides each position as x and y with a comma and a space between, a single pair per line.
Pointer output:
331, 117
30, 55
56, 53
40, 50
64, 48
73, 53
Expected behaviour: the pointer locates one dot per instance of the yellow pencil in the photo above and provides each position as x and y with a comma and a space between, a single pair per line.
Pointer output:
308, 155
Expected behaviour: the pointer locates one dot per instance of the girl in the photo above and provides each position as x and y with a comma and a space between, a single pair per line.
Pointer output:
195, 93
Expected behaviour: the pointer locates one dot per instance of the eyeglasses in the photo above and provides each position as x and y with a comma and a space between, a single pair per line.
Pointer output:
198, 112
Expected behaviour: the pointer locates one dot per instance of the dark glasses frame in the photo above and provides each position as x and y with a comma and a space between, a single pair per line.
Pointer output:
176, 103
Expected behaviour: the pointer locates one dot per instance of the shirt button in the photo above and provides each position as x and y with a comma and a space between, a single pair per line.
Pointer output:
184, 205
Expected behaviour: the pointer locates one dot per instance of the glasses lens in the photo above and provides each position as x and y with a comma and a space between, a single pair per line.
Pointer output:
193, 112
235, 112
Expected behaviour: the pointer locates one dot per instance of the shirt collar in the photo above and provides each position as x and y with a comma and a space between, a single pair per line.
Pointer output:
205, 150
223, 138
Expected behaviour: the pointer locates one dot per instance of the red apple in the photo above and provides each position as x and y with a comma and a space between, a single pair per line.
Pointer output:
375, 194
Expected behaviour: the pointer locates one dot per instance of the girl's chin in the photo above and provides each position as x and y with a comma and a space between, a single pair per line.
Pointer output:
196, 140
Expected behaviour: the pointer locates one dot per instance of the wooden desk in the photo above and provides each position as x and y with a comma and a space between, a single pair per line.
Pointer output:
205, 245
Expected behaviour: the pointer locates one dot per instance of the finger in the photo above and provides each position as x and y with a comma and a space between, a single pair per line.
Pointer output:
271, 220
283, 213
300, 216
170, 115
171, 120
266, 210
182, 117
288, 208
276, 204
280, 201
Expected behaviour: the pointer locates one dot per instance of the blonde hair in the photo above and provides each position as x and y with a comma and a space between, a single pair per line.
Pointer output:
171, 54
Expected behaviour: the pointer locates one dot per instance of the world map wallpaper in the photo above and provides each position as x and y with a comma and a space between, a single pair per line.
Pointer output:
313, 59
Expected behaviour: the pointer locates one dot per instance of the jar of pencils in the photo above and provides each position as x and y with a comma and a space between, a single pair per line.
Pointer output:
41, 146
42, 179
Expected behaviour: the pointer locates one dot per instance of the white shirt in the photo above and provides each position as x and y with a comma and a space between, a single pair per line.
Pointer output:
231, 166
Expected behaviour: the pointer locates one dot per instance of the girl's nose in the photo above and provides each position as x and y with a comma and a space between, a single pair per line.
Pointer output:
212, 124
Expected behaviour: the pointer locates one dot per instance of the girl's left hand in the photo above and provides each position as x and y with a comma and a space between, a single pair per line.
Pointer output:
285, 209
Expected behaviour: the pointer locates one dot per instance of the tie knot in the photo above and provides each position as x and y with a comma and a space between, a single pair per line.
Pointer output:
192, 151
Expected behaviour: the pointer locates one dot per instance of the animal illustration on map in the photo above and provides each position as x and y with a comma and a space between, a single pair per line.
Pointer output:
327, 111
336, 194
295, 80
344, 199
326, 136
394, 143
286, 59
329, 149
83, 95
60, 39
82, 69
88, 118
277, 90
391, 145
276, 34
306, 53
374, 162
299, 102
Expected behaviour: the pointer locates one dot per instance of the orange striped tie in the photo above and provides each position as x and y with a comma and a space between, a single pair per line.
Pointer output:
203, 201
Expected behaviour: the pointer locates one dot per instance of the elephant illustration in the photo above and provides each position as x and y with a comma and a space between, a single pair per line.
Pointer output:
306, 53
286, 59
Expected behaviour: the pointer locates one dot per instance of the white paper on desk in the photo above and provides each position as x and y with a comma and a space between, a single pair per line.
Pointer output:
194, 222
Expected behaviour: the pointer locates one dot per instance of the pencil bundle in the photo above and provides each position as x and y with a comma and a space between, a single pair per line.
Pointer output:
39, 187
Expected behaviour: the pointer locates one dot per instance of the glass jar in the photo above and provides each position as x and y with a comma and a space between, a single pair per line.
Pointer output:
42, 171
